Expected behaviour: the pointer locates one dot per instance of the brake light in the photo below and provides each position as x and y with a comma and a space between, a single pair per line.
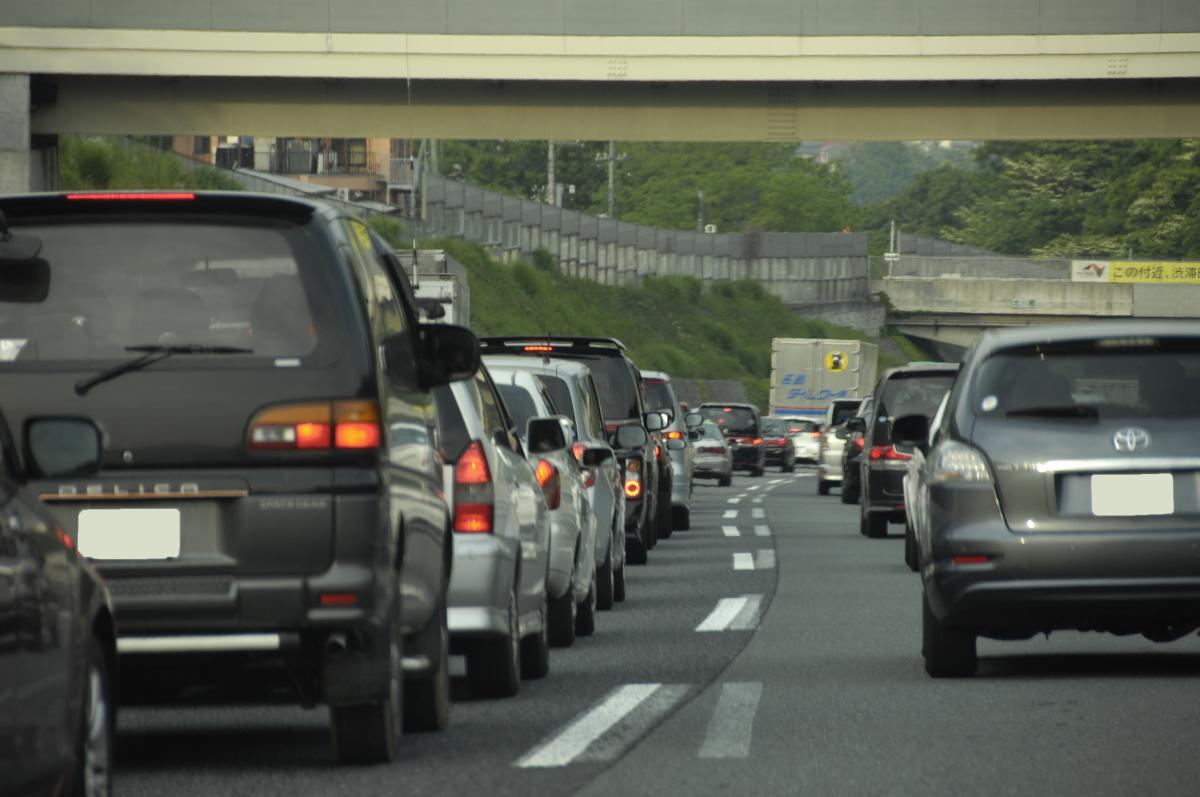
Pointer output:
473, 495
816, 434
756, 441
971, 559
548, 478
633, 478
338, 598
888, 453
777, 441
859, 441
657, 450
633, 488
589, 474
345, 425
538, 348
134, 196
674, 435
727, 409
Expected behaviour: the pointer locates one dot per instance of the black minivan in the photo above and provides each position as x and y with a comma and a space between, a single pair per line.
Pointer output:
267, 509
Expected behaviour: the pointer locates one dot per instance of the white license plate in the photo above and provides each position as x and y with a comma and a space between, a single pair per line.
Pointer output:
129, 533
1133, 494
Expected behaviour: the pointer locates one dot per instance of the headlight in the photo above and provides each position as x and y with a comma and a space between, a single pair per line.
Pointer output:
956, 462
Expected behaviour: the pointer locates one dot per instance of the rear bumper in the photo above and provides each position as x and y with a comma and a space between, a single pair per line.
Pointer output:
748, 457
885, 491
778, 456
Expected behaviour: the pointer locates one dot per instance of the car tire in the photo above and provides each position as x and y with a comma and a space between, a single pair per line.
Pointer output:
619, 584
681, 518
494, 665
725, 481
822, 487
876, 524
604, 584
585, 614
949, 651
910, 548
650, 529
635, 552
427, 697
664, 523
94, 745
563, 610
758, 471
370, 733
848, 494
535, 648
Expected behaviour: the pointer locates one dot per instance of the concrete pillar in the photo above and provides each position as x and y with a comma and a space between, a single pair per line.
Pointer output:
15, 155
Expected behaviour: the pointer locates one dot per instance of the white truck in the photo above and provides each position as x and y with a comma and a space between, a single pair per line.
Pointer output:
808, 373
439, 281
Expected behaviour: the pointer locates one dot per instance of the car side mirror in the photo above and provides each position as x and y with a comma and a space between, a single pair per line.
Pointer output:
911, 431
654, 421
630, 437
595, 456
57, 447
448, 353
545, 435
693, 420
856, 424
676, 444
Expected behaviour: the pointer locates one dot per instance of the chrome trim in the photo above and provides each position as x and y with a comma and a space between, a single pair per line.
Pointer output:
206, 643
1139, 465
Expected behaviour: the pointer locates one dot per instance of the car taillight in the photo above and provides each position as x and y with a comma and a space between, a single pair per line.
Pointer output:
756, 441
816, 435
345, 425
888, 453
777, 441
712, 450
551, 482
473, 496
633, 479
537, 348
133, 196
859, 441
673, 435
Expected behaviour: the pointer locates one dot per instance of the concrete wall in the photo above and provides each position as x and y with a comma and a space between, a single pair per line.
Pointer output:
865, 316
800, 268
1006, 296
16, 164
1166, 301
624, 17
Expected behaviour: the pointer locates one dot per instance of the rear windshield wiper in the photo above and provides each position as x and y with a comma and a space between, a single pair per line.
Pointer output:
1057, 411
151, 354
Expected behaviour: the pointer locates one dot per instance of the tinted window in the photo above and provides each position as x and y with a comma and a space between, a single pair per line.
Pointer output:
843, 411
711, 431
614, 383
560, 392
519, 403
489, 406
734, 420
244, 284
595, 415
800, 427
1154, 379
659, 396
772, 428
451, 426
910, 394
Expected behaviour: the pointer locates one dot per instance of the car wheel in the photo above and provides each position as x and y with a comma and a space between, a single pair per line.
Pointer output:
681, 518
650, 529
822, 487
604, 584
758, 471
664, 521
585, 616
94, 747
635, 552
535, 648
910, 548
848, 494
427, 697
562, 617
949, 651
877, 524
725, 481
494, 665
370, 733
619, 584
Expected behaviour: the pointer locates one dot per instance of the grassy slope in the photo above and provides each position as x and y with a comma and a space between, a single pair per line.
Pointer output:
673, 324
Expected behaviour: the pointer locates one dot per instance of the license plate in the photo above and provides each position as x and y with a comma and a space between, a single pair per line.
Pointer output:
129, 533
1133, 494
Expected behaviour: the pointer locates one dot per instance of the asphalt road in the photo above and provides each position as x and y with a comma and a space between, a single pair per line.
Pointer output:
770, 649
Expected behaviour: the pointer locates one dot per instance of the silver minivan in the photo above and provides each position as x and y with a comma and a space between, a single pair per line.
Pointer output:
660, 395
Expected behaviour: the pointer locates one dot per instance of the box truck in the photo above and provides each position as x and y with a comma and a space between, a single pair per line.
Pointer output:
808, 373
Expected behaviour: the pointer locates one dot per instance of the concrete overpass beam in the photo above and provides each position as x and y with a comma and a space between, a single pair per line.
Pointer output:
16, 158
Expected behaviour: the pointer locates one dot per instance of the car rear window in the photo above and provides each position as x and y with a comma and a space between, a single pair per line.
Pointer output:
916, 393
1113, 379
139, 282
614, 382
733, 420
843, 411
659, 395
711, 431
519, 403
773, 428
800, 427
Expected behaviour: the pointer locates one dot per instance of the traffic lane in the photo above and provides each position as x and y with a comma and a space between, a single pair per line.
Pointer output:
846, 707
650, 638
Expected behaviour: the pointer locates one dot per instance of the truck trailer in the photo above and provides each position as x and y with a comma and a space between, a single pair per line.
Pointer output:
808, 373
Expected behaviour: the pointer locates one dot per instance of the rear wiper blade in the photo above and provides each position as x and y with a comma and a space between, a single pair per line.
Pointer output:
1057, 411
152, 353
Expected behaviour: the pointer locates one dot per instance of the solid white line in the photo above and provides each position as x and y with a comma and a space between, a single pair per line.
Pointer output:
564, 746
731, 531
727, 611
747, 618
743, 561
757, 513
730, 514
764, 559
732, 723
762, 531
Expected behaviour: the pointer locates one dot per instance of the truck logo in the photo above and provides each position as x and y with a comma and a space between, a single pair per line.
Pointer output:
836, 361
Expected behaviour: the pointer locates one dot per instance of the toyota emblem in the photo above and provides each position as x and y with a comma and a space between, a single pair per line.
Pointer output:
1131, 439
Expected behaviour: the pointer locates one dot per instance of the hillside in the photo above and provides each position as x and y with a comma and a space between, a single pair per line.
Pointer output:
673, 324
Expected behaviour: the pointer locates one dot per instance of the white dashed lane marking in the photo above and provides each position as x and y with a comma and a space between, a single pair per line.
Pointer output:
757, 513
731, 531
732, 725
764, 559
776, 481
762, 531
736, 499
758, 499
730, 514
733, 614
743, 561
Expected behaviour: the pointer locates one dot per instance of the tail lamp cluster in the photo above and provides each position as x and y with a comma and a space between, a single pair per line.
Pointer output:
474, 498
888, 454
633, 478
551, 483
316, 426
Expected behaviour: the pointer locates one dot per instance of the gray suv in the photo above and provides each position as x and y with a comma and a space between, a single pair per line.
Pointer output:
660, 395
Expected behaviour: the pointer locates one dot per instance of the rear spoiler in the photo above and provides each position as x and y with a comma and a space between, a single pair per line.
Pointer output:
528, 344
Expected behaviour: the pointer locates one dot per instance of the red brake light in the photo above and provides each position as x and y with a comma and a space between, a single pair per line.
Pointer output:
134, 196
971, 559
312, 435
888, 453
816, 434
473, 497
756, 441
727, 409
316, 426
538, 348
860, 442
633, 488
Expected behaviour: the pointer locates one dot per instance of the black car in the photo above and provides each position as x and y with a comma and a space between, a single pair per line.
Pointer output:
647, 475
852, 452
742, 427
1056, 489
777, 445
907, 390
57, 647
267, 511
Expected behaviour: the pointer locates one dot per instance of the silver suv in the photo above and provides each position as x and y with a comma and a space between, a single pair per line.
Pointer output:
829, 457
661, 396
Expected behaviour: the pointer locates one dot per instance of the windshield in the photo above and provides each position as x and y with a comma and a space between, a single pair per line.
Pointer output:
1147, 379
733, 420
614, 382
185, 283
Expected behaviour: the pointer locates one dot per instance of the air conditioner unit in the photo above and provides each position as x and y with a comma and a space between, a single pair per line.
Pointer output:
710, 228
343, 194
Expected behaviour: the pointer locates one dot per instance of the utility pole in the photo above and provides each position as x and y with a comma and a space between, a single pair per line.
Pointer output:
700, 211
551, 187
612, 159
